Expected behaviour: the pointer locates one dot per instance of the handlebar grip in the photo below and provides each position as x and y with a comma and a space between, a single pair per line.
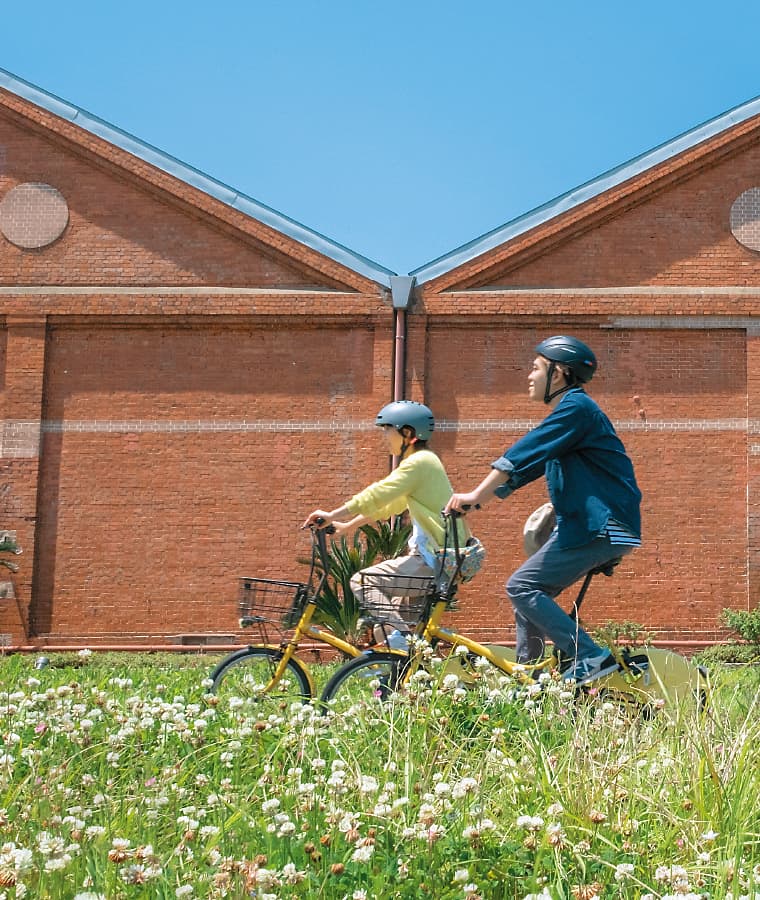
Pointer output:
458, 513
330, 528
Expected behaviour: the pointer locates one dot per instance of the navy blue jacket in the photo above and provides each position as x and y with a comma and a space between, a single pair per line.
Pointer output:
588, 473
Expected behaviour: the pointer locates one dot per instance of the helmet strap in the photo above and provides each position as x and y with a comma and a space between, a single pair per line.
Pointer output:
407, 443
548, 394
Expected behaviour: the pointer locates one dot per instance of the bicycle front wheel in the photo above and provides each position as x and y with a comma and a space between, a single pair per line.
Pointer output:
247, 678
364, 682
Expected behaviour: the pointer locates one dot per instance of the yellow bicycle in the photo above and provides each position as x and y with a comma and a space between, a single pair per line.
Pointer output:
270, 672
646, 679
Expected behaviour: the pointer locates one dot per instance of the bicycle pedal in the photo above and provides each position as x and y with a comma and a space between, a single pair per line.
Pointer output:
635, 667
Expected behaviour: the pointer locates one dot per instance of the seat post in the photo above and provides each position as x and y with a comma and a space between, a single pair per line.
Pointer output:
605, 569
581, 594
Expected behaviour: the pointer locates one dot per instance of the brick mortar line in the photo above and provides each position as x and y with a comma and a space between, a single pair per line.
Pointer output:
167, 290
9, 427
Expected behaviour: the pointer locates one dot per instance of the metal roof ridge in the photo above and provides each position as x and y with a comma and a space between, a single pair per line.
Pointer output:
196, 178
586, 191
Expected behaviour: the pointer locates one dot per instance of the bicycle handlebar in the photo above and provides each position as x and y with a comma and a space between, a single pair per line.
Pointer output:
320, 521
458, 513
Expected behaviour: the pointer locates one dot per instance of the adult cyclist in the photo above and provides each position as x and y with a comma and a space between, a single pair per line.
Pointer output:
593, 489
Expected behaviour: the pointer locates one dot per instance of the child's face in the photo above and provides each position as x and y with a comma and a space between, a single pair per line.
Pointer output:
393, 440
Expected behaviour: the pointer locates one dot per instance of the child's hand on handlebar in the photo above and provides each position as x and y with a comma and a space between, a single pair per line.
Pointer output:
339, 528
319, 519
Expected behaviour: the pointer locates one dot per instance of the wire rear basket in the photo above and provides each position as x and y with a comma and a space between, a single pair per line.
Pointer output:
390, 597
262, 599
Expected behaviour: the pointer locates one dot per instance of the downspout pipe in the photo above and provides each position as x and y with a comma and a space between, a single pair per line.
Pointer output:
402, 293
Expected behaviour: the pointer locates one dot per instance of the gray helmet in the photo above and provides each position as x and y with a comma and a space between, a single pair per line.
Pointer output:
570, 352
409, 414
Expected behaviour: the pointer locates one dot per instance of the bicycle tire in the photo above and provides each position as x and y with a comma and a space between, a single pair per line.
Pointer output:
365, 681
245, 674
670, 684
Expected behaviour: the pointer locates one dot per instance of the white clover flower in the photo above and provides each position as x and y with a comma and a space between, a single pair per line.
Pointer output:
184, 890
291, 874
269, 806
368, 784
50, 844
363, 854
89, 895
463, 787
286, 829
461, 875
623, 871
58, 862
670, 873
531, 823
22, 860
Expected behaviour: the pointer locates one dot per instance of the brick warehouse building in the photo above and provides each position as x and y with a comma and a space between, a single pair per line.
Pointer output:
186, 373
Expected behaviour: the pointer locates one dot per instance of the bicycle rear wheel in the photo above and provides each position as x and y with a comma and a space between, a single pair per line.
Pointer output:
245, 678
364, 682
667, 682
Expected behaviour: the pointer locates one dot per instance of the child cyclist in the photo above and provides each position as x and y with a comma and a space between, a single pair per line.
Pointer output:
420, 485
593, 489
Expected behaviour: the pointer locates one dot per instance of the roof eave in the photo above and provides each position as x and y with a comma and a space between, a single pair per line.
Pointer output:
460, 256
292, 229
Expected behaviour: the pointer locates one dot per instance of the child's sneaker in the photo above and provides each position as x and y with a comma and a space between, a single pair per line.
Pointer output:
584, 671
398, 640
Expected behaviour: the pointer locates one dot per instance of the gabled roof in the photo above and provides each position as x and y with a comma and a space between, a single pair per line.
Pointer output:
591, 189
197, 179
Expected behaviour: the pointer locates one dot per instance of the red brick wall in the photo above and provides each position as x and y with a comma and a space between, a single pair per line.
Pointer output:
179, 387
190, 457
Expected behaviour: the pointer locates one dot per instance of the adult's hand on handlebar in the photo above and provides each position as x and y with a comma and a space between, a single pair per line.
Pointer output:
461, 503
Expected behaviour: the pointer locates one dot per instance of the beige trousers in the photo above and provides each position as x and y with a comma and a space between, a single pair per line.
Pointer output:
384, 589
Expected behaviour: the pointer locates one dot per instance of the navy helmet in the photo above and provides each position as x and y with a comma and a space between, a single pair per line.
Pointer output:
571, 353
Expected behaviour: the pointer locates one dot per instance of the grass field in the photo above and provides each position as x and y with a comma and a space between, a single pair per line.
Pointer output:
121, 777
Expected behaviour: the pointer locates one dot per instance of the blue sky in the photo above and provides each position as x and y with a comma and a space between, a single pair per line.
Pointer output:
400, 129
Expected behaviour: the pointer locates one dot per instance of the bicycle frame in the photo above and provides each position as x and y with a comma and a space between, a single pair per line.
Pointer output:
496, 654
633, 679
289, 647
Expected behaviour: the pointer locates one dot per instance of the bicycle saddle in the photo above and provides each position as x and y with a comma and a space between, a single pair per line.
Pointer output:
607, 568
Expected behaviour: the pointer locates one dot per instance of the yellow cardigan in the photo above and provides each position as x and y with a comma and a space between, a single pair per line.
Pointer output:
419, 484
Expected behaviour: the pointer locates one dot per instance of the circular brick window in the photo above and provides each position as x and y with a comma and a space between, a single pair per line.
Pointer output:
33, 215
745, 218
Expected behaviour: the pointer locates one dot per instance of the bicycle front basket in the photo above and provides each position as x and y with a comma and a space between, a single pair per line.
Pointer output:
264, 598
